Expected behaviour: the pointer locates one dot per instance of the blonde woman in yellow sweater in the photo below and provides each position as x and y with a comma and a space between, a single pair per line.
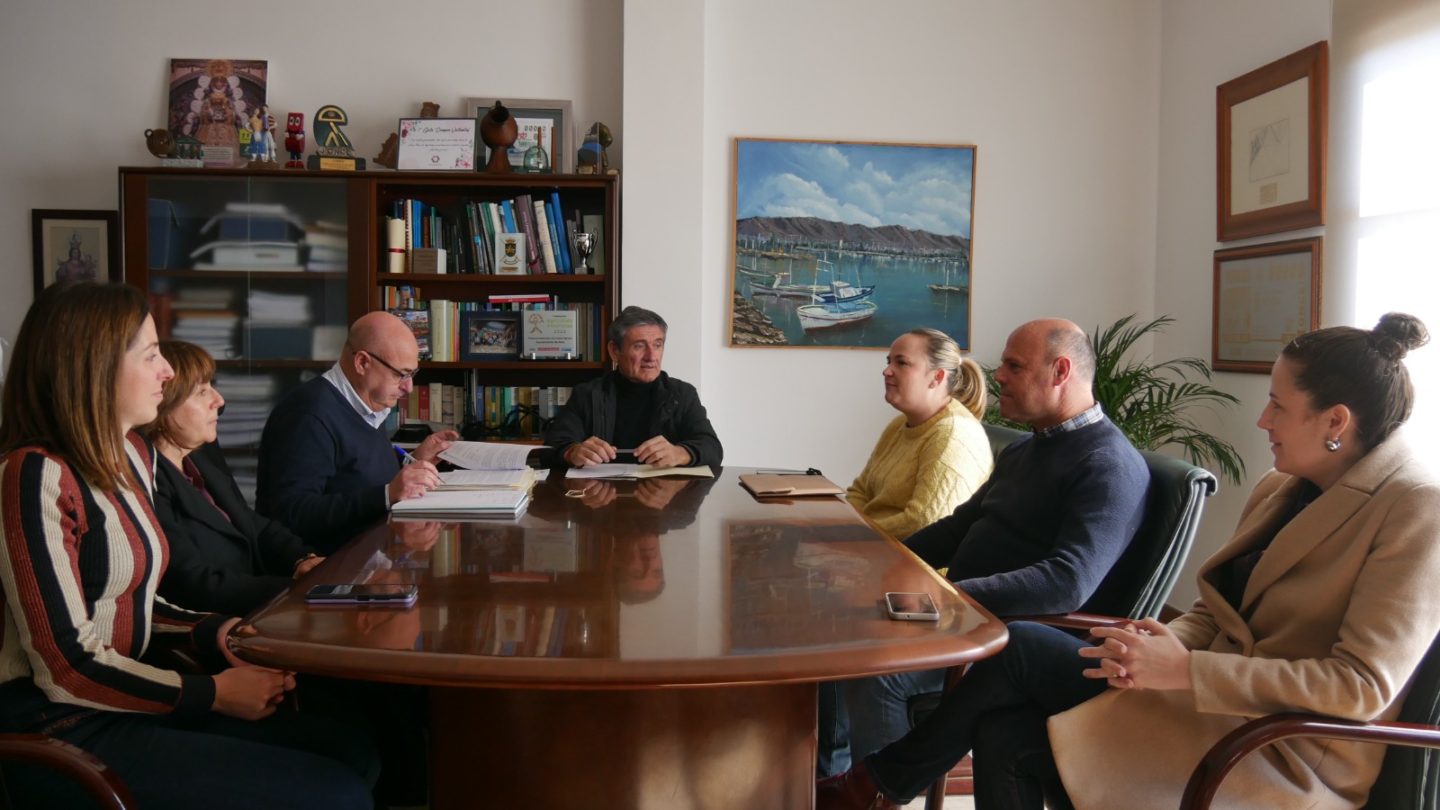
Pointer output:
934, 455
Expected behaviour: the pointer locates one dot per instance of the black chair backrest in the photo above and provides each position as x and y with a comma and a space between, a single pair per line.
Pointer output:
1143, 576
1410, 777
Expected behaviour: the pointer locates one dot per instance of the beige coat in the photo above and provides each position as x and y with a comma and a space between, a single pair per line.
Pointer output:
1337, 615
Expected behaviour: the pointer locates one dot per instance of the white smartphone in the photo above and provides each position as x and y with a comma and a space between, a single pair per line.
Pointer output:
911, 607
391, 595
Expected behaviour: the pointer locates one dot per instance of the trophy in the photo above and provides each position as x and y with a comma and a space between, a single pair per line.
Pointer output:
584, 246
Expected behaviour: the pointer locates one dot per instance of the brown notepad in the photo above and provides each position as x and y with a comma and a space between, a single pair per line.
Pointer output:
763, 485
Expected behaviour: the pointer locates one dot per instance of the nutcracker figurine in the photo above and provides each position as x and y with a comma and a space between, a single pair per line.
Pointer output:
295, 140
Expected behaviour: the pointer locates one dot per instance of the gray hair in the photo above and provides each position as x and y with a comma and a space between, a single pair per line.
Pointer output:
631, 317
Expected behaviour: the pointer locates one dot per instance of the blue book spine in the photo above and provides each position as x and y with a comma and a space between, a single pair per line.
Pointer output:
560, 265
507, 213
557, 235
417, 214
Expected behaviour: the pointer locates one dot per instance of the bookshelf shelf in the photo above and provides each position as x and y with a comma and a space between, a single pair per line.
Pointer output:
337, 220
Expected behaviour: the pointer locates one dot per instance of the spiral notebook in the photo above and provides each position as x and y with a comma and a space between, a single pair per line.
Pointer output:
792, 485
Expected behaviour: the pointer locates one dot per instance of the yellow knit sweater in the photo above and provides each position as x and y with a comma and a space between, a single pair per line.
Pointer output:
917, 475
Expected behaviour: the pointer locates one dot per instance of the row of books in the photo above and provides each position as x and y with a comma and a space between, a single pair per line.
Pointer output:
493, 405
469, 237
438, 325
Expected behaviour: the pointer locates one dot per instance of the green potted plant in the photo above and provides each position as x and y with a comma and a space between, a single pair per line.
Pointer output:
1151, 402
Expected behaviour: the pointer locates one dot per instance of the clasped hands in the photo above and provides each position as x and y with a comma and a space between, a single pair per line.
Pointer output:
420, 476
245, 690
657, 451
1139, 655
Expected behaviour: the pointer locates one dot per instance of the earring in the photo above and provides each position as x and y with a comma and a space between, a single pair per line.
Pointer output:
1332, 444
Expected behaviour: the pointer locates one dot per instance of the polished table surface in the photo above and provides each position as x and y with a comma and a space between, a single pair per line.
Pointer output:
660, 587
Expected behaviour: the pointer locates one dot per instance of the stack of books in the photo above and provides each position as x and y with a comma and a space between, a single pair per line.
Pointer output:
253, 237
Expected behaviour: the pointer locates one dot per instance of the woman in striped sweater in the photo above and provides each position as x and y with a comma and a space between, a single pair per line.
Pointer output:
82, 555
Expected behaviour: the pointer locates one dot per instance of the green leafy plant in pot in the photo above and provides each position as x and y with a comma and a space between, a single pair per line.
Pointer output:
1152, 403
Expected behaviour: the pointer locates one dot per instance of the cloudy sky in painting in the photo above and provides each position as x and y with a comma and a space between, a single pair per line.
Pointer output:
923, 187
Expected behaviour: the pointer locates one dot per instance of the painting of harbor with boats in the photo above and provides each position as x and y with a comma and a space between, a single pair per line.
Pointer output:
850, 244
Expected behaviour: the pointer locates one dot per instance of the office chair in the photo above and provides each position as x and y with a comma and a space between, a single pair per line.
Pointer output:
98, 782
1409, 776
1136, 586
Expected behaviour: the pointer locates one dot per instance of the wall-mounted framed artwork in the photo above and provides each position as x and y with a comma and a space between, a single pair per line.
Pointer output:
73, 245
1265, 295
1271, 136
549, 119
850, 244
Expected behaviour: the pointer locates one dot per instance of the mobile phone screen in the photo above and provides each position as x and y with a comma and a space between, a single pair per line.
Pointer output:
911, 606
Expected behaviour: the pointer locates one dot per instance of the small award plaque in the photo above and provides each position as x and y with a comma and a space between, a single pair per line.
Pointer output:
510, 254
550, 334
332, 149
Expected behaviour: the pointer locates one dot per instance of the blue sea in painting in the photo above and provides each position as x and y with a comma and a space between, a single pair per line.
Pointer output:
903, 297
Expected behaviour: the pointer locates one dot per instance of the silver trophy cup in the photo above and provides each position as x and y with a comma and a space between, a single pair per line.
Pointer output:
584, 245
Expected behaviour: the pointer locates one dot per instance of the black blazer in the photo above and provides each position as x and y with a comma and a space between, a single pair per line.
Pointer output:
224, 566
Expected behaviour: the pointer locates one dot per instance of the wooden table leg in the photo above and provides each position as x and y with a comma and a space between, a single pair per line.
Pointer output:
669, 749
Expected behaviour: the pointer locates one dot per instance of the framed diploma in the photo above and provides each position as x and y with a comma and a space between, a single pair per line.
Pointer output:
550, 334
440, 144
1265, 295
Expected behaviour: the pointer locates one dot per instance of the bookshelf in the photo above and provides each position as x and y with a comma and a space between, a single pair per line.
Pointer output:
267, 268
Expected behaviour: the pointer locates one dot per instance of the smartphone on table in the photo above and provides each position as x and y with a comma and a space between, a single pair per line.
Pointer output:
384, 594
911, 607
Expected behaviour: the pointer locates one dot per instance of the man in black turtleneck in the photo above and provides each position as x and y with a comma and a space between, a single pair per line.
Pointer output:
637, 409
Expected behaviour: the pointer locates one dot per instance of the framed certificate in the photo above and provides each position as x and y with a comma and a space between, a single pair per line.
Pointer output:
439, 144
1265, 295
550, 334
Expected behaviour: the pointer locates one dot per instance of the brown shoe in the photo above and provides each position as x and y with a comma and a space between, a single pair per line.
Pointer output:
851, 790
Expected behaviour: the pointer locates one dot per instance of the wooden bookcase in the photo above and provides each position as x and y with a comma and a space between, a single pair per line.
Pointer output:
169, 216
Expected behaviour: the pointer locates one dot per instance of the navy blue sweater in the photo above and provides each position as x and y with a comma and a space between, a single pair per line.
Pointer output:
1041, 534
323, 469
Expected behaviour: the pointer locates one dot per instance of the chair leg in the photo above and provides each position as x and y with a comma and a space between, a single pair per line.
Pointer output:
935, 796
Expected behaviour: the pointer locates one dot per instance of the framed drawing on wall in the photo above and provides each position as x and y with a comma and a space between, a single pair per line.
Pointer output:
1271, 134
1265, 295
850, 244
71, 245
545, 119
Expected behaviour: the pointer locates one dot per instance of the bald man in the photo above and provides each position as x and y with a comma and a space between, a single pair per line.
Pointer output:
1038, 537
327, 468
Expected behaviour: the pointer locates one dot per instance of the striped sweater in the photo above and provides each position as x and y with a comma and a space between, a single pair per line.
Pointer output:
79, 570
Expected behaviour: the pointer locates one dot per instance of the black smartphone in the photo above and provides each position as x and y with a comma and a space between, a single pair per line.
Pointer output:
393, 595
911, 607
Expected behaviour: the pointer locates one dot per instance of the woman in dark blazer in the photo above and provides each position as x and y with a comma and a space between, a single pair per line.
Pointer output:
224, 556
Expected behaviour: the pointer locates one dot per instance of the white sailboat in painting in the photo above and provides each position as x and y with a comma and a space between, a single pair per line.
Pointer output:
844, 304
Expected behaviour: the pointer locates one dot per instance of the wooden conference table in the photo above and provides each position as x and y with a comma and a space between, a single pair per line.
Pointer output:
651, 644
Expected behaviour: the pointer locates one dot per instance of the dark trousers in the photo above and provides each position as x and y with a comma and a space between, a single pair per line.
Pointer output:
287, 760
832, 754
999, 710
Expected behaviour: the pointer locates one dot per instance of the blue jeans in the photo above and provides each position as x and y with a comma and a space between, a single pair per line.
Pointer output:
287, 760
999, 709
878, 707
832, 754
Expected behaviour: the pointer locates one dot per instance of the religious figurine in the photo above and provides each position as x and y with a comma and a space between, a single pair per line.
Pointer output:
295, 140
267, 135
498, 130
592, 158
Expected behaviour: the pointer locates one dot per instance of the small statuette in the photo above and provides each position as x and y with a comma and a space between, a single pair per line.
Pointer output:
333, 149
498, 130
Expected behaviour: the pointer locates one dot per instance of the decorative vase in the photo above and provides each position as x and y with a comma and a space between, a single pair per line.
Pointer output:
498, 131
536, 160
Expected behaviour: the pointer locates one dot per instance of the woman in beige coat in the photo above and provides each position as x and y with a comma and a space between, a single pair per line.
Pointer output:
1319, 603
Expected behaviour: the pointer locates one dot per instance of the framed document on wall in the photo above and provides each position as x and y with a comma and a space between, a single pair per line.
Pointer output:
1270, 130
1265, 295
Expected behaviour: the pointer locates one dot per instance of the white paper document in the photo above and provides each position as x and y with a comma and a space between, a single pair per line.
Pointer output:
488, 455
464, 503
486, 479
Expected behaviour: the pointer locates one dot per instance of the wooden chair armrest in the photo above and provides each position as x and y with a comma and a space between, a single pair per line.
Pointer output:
1226, 754
98, 781
1073, 621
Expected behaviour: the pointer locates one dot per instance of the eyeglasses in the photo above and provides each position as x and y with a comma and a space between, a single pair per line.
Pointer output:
402, 375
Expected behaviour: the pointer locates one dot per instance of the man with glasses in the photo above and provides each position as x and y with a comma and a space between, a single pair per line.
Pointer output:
327, 468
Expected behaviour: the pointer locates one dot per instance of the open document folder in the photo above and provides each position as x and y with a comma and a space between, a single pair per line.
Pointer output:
461, 504
488, 455
486, 479
636, 471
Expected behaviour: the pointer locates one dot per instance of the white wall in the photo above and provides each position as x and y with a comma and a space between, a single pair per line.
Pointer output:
1060, 98
83, 80
1205, 43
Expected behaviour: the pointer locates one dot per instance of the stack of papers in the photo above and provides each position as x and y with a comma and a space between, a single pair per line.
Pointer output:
486, 479
488, 455
463, 504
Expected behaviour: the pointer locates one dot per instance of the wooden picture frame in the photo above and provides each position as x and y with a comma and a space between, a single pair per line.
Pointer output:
487, 335
846, 244
556, 112
1265, 295
74, 245
1271, 138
